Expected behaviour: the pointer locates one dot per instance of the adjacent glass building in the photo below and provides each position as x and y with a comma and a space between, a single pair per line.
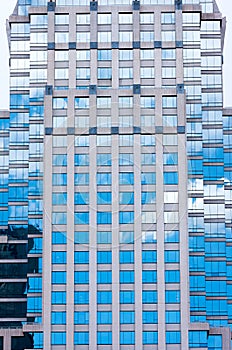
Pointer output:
116, 172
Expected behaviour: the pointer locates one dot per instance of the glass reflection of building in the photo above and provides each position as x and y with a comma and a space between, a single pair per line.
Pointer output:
115, 168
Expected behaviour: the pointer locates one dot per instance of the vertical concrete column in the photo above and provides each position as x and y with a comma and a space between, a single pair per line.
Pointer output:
51, 53
226, 338
47, 190
115, 188
93, 38
93, 69
115, 239
183, 228
160, 227
138, 236
115, 61
158, 109
136, 25
179, 51
93, 242
47, 242
72, 53
136, 72
115, 26
70, 226
7, 342
183, 190
158, 51
93, 26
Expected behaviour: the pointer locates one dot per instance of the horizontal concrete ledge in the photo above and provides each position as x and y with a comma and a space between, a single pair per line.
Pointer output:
191, 8
19, 19
220, 330
199, 326
13, 332
211, 16
227, 111
32, 327
4, 113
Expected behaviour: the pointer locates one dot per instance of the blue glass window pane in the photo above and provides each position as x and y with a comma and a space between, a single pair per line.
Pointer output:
126, 198
34, 304
104, 317
149, 256
81, 179
215, 342
81, 317
81, 160
81, 237
104, 338
173, 337
104, 55
59, 198
104, 179
150, 337
127, 338
126, 217
34, 284
148, 197
126, 257
81, 198
104, 297
81, 277
104, 198
170, 178
148, 178
81, 257
172, 276
104, 257
58, 297
172, 317
58, 338
38, 340
58, 277
59, 218
81, 338
81, 298
197, 283
172, 236
172, 296
59, 257
126, 178
198, 339
58, 317
127, 317
19, 101
149, 296
149, 276
59, 160
104, 159
127, 297
172, 256
104, 277
126, 276
150, 317
59, 179
60, 102
170, 158
82, 218
82, 102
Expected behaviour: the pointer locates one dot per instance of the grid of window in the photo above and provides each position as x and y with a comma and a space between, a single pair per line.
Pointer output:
114, 141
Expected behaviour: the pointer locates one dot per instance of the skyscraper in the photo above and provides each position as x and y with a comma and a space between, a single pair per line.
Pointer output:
116, 175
